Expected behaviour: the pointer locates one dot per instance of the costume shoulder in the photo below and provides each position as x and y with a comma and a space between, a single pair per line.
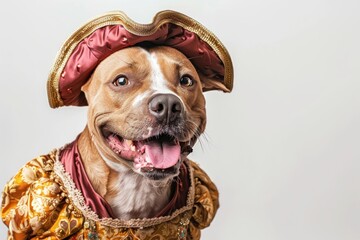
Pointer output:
206, 201
35, 204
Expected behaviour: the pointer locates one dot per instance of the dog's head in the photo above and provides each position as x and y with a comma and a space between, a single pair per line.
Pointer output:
146, 109
146, 104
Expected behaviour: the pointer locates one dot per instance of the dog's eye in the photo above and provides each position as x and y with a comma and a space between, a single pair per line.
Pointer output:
186, 81
121, 81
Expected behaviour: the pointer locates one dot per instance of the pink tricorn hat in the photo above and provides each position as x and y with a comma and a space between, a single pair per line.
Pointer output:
96, 40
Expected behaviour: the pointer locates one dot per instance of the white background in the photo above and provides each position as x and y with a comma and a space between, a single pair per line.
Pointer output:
283, 147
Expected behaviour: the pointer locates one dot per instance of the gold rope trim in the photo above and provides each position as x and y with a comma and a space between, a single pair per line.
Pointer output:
78, 200
120, 18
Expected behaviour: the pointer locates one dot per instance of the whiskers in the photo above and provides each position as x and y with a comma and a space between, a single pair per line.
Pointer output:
204, 138
197, 135
193, 129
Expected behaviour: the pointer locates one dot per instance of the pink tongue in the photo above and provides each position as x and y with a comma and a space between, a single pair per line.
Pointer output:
162, 154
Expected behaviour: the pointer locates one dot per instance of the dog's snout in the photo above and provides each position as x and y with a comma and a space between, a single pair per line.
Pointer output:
165, 107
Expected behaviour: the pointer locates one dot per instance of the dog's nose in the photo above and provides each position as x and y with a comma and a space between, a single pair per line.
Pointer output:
165, 107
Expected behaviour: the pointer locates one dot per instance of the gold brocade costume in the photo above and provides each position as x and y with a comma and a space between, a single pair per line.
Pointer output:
41, 202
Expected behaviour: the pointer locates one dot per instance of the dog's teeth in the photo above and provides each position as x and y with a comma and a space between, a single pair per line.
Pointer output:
128, 142
133, 148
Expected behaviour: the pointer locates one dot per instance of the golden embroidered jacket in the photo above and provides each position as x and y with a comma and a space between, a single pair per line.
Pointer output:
42, 202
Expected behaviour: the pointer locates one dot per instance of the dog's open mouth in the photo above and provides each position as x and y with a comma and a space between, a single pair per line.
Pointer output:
157, 152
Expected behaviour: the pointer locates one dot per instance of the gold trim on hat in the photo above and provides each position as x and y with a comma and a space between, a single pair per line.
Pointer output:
120, 18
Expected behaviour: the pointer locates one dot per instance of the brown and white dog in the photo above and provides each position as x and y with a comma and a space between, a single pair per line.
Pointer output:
127, 174
146, 109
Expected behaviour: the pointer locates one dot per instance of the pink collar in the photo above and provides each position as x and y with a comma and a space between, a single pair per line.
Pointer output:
71, 160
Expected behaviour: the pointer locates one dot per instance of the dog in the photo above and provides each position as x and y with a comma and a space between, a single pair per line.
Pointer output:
141, 118
127, 175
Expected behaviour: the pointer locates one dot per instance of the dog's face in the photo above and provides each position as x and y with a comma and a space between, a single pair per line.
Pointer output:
145, 108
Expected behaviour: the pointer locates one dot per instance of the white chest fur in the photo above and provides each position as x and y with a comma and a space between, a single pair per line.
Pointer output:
133, 196
138, 197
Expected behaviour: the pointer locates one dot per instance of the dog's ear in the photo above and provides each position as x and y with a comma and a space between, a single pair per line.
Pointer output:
85, 89
209, 84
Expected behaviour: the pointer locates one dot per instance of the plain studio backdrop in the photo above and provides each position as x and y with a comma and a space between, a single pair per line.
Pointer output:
283, 147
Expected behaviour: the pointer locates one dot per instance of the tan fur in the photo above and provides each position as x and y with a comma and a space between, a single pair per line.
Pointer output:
130, 194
